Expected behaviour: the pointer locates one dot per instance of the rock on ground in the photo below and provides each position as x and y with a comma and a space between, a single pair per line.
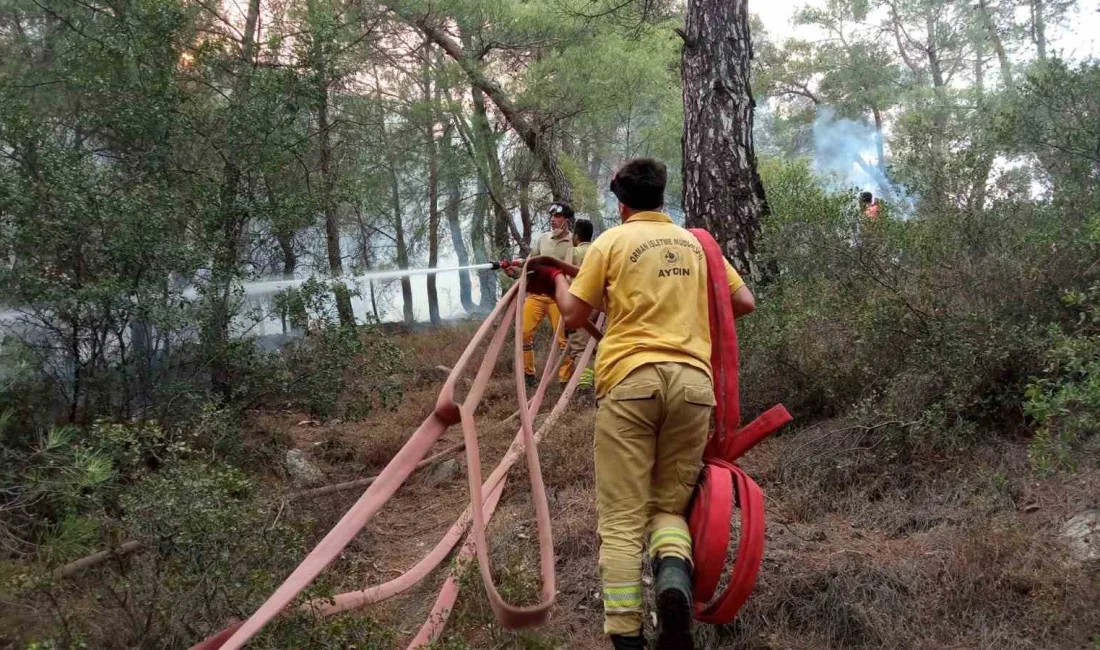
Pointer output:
1082, 534
443, 473
301, 470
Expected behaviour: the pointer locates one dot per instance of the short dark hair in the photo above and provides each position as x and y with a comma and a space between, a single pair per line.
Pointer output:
563, 208
866, 197
583, 230
640, 184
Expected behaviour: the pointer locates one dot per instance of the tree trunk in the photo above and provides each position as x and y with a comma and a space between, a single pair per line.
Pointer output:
398, 215
722, 189
526, 221
1039, 29
233, 217
934, 66
998, 46
483, 141
595, 168
290, 261
979, 68
290, 258
486, 279
328, 204
402, 248
433, 190
880, 145
982, 169
454, 223
937, 198
368, 262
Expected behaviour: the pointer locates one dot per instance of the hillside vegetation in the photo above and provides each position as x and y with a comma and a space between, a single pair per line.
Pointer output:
160, 158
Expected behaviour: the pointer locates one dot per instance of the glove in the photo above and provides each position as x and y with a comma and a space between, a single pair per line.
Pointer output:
541, 279
511, 268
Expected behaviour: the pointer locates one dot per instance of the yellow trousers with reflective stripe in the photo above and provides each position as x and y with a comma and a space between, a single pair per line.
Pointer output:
535, 308
650, 432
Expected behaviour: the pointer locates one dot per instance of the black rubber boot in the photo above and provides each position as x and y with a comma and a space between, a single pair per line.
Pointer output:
620, 642
674, 605
531, 381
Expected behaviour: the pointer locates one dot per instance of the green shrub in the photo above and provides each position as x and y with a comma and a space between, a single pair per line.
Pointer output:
935, 322
217, 548
1064, 401
59, 489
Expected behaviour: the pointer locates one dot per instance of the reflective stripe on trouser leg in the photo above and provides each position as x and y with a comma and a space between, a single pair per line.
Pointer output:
622, 598
670, 537
534, 308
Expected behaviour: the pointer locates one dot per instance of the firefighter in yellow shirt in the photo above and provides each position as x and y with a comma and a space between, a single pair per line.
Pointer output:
577, 339
558, 243
653, 381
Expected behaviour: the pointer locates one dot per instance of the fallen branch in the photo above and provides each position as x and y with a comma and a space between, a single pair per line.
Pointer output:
72, 568
364, 482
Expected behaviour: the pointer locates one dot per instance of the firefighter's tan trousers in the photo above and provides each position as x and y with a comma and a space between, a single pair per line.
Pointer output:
577, 340
535, 308
650, 432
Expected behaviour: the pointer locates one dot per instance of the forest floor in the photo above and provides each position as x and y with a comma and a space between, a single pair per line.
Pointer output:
864, 549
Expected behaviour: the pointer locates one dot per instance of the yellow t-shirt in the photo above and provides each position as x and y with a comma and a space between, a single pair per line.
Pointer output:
650, 276
578, 253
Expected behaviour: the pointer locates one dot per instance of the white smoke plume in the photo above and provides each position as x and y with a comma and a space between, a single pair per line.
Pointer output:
846, 155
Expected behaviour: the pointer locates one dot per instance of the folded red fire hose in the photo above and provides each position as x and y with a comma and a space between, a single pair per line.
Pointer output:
721, 480
709, 504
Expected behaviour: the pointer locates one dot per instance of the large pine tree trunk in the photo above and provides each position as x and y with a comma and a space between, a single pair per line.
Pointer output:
722, 189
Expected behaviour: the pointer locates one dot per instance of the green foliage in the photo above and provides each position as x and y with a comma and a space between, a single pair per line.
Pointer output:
1064, 400
906, 320
64, 484
217, 546
342, 372
1056, 116
331, 371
